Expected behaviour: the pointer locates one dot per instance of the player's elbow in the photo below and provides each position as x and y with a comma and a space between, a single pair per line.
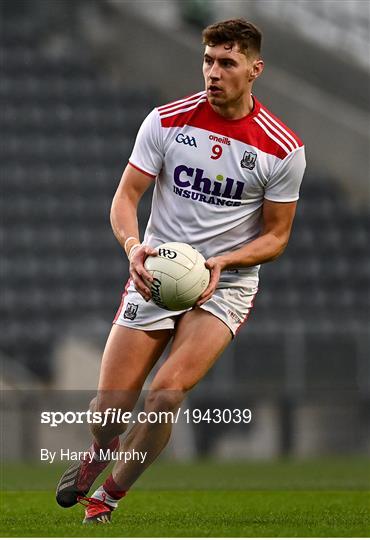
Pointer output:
280, 251
280, 244
120, 203
113, 214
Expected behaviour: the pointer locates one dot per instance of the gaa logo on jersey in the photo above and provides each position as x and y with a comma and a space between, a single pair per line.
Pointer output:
186, 139
249, 160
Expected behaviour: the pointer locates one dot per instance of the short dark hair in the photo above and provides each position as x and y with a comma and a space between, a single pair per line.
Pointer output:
239, 31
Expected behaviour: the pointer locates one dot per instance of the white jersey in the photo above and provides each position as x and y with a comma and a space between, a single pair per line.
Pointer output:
213, 174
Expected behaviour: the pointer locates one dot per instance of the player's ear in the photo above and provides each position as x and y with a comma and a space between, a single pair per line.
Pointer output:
257, 68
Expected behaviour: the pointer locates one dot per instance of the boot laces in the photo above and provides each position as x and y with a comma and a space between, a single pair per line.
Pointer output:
94, 506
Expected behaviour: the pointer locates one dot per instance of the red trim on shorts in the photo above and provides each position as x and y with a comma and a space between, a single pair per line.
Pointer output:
124, 294
247, 315
142, 171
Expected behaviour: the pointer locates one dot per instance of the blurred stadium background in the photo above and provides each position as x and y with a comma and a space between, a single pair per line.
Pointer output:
77, 78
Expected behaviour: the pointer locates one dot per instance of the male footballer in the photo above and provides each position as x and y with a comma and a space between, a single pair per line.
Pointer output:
226, 176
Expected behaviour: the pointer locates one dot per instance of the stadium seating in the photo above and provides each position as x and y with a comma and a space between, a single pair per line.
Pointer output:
67, 134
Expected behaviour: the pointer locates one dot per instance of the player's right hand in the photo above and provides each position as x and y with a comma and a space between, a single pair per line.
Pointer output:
214, 266
138, 272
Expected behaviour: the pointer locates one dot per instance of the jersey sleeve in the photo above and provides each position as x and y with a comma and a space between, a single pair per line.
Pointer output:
147, 154
284, 184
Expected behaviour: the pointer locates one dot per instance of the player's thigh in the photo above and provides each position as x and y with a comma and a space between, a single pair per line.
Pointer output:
128, 357
199, 339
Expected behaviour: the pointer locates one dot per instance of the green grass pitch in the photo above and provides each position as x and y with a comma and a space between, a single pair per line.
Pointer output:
316, 498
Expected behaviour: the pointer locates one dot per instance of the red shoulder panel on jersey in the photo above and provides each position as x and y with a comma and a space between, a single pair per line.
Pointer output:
259, 129
269, 116
180, 103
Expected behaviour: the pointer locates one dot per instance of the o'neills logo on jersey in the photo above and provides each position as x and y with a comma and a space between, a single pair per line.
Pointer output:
222, 192
222, 140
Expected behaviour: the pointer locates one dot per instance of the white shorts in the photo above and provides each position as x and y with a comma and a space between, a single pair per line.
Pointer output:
231, 302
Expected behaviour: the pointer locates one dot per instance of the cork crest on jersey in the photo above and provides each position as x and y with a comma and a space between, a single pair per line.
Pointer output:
249, 160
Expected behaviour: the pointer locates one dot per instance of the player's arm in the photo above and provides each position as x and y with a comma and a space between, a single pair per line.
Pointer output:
124, 223
277, 224
277, 219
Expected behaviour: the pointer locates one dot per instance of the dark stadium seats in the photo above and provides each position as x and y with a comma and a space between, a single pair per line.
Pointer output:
67, 135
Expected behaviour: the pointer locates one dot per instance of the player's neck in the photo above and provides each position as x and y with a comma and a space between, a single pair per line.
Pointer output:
235, 110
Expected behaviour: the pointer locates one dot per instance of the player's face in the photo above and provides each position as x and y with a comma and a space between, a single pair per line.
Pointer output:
229, 74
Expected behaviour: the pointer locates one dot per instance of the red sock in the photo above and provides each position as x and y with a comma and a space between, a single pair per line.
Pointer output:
113, 489
112, 445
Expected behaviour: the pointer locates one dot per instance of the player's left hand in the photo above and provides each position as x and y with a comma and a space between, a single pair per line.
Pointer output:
214, 266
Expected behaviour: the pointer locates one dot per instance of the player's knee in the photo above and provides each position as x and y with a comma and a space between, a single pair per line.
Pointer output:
108, 400
164, 400
109, 406
92, 406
